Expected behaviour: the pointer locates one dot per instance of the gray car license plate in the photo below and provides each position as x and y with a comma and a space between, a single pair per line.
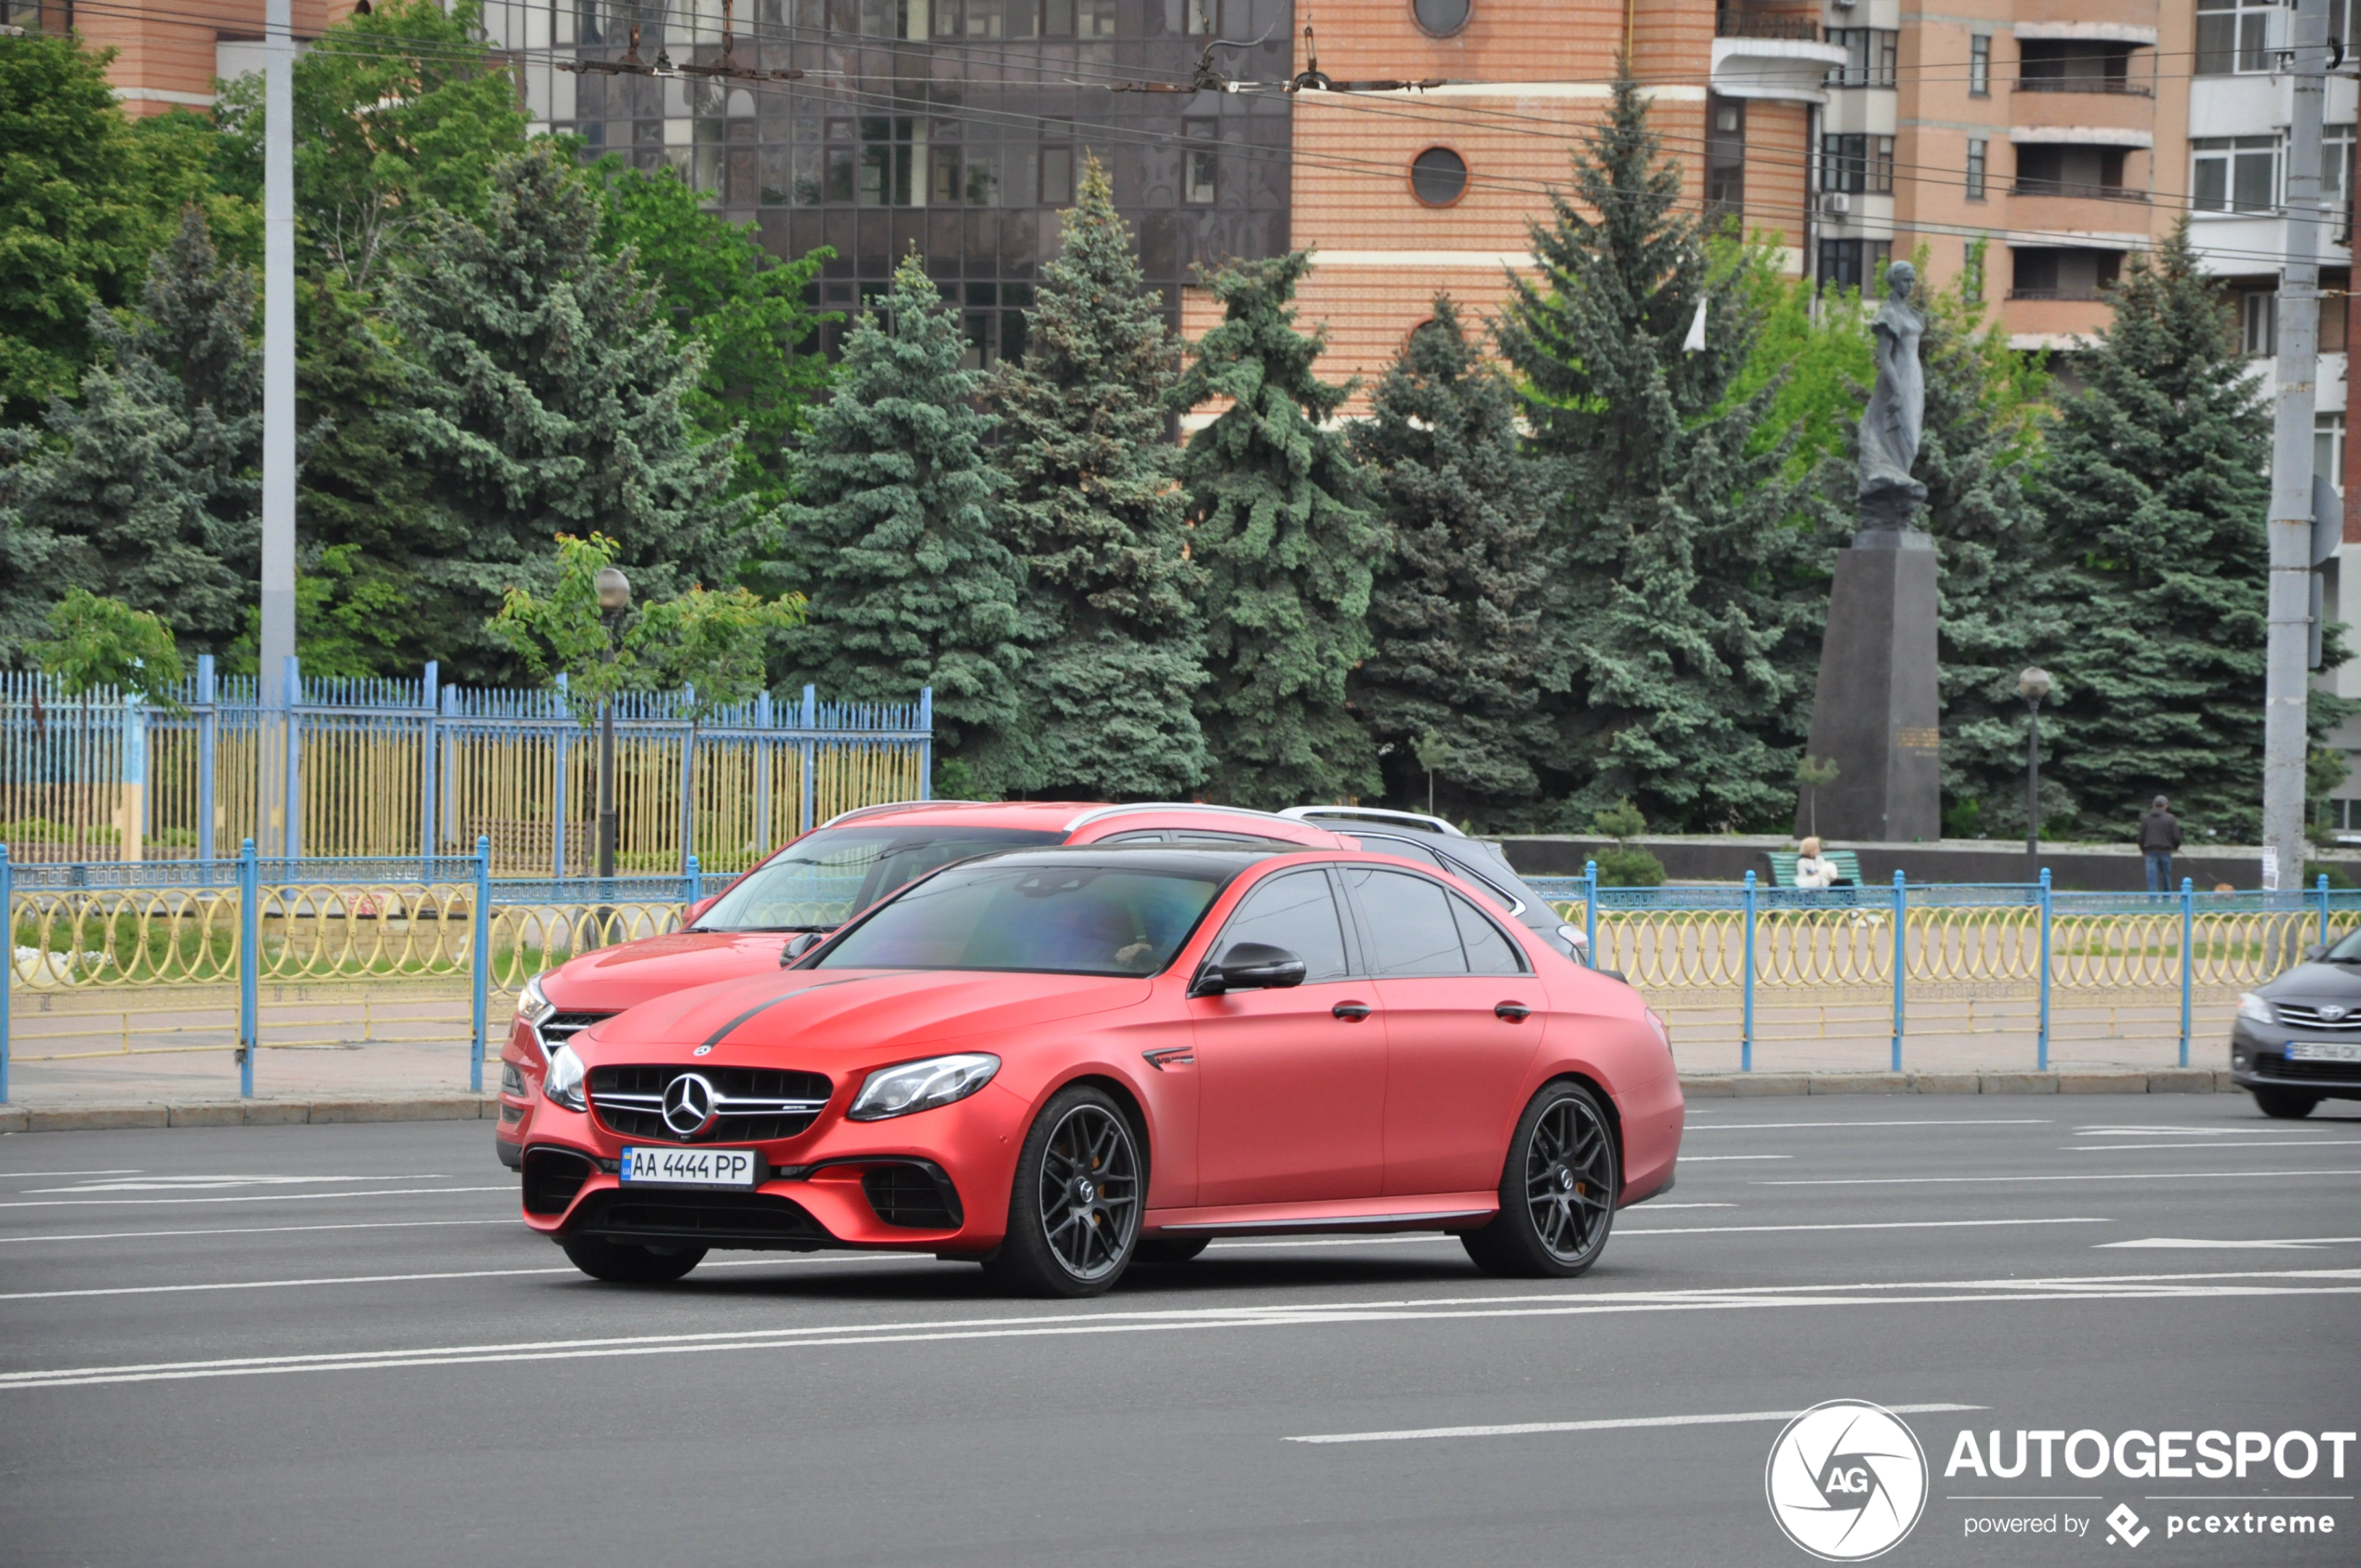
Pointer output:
2316, 1050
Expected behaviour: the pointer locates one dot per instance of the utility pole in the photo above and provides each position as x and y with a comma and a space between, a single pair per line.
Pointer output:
2285, 735
278, 355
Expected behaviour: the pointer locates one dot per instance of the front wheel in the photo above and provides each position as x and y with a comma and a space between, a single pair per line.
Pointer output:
620, 1263
2286, 1105
1557, 1195
1073, 1216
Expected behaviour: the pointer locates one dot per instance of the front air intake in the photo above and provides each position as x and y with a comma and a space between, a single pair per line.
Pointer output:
552, 1177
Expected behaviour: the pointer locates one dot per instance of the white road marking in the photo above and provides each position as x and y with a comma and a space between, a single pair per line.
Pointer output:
2167, 1129
258, 1230
29, 1175
253, 1197
1658, 1208
2257, 1144
2201, 1243
1523, 1428
199, 1183
1699, 1159
1857, 1225
1966, 1122
406, 1279
2209, 1286
2114, 1176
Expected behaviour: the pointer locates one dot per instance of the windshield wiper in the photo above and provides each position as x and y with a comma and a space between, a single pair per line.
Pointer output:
756, 930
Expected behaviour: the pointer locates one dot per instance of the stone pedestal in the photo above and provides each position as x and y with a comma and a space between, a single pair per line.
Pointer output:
1877, 708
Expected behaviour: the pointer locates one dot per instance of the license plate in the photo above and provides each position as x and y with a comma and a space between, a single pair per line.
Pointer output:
2314, 1050
690, 1167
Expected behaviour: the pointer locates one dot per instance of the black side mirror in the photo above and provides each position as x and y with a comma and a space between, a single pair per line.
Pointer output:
800, 944
1250, 965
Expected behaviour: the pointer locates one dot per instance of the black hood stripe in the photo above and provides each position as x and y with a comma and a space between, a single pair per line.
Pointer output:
726, 1030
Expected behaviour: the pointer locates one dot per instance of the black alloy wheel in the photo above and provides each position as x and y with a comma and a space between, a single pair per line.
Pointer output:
2286, 1105
1557, 1195
1073, 1216
621, 1264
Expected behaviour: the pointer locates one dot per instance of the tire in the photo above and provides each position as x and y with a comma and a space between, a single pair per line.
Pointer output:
1074, 1212
1169, 1250
2286, 1105
620, 1263
1557, 1193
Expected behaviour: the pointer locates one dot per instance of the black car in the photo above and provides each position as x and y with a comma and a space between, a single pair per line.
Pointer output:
2297, 1041
1477, 862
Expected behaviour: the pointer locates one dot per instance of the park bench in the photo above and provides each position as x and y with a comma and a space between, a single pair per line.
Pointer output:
1848, 864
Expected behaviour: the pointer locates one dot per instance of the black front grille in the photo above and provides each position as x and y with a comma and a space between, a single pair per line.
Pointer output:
712, 1218
755, 1104
559, 1028
911, 1196
2297, 1015
2323, 1072
552, 1177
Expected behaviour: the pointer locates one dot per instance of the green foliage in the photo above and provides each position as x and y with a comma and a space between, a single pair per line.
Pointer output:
104, 642
1284, 528
1682, 611
1460, 660
2155, 493
723, 290
1817, 362
894, 536
351, 616
1099, 528
1629, 868
1619, 822
546, 396
148, 491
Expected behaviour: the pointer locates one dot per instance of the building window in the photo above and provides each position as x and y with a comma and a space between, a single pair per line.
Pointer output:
2336, 288
1859, 165
2259, 323
1057, 177
1980, 65
1856, 264
1438, 177
2234, 173
1200, 17
2047, 273
1869, 56
2234, 36
1200, 161
1978, 153
1972, 273
1725, 158
2328, 448
2070, 169
2336, 166
1440, 18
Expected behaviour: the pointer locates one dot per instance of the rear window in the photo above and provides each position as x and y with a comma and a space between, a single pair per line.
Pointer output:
827, 877
1077, 919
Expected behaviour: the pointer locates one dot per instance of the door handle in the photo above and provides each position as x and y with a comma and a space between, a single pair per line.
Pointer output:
1351, 1012
1511, 1013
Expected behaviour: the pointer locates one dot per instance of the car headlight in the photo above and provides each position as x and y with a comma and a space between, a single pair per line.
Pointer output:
562, 1084
532, 1003
921, 1086
2254, 1009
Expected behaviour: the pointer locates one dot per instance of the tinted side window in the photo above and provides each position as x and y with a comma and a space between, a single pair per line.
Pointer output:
1406, 848
1489, 886
1408, 919
1296, 911
1489, 952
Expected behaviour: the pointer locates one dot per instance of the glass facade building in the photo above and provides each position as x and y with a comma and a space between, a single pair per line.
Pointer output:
953, 128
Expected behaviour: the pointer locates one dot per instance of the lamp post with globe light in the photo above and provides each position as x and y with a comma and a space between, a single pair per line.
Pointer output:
2033, 685
615, 602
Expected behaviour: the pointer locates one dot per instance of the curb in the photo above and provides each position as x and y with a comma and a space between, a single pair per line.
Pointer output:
247, 1112
2160, 1080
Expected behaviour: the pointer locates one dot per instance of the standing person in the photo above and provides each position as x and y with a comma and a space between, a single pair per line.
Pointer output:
2159, 836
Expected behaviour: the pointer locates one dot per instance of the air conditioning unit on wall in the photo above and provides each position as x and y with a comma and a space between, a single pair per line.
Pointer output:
1836, 203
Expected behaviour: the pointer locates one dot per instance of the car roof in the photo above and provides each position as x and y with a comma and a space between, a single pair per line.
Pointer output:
1188, 860
1082, 816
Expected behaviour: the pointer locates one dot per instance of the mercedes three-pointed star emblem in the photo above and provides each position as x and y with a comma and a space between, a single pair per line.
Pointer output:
689, 1105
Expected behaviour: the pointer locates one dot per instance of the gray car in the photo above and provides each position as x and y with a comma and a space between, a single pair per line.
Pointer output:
2297, 1041
1477, 862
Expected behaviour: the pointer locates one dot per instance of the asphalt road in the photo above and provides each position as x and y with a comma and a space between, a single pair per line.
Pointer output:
334, 1345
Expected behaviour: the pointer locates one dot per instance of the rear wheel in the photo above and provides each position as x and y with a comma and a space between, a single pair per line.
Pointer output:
2287, 1105
1074, 1217
1168, 1249
620, 1263
1557, 1196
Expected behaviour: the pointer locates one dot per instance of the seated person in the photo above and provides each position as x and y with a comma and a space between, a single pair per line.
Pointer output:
1814, 871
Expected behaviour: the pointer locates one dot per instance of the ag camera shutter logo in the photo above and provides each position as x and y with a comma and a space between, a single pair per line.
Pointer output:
1846, 1480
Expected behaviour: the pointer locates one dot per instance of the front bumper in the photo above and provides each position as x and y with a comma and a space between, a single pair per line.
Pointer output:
2259, 1060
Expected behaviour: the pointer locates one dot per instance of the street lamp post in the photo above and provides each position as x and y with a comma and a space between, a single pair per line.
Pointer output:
615, 601
2033, 685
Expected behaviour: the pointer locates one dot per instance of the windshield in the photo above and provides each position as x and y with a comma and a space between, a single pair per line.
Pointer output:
1079, 919
827, 877
2346, 951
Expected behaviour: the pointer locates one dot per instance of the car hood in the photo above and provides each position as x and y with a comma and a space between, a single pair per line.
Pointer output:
2323, 983
856, 1009
625, 976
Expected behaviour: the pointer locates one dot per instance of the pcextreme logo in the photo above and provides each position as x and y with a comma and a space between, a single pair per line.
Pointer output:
1846, 1480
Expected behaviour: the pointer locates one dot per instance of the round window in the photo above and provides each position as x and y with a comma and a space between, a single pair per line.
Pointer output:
1438, 177
1440, 17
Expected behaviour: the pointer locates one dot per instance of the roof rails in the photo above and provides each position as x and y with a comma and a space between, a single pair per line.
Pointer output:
860, 811
1373, 813
1098, 813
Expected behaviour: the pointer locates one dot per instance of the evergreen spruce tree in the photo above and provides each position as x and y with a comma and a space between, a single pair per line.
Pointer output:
2155, 496
546, 399
894, 538
1459, 666
1681, 615
1100, 527
1284, 526
149, 492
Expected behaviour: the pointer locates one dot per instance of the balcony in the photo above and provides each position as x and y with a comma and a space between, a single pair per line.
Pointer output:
1766, 24
2077, 296
2115, 84
1776, 55
2079, 190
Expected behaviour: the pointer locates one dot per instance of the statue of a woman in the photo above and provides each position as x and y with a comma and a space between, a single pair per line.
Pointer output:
1897, 409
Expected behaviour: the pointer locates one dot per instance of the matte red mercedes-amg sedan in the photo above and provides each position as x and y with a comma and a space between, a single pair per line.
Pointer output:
1061, 1062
